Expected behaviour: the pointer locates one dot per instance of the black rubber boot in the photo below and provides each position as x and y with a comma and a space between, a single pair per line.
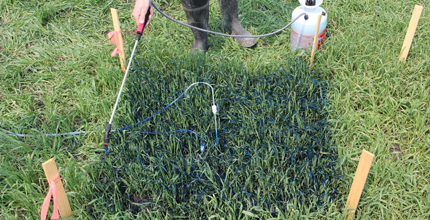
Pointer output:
197, 13
229, 10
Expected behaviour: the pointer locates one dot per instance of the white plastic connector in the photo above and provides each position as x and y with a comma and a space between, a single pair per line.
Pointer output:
214, 109
202, 148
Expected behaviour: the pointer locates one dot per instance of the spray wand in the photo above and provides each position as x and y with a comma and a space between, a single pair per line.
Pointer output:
139, 32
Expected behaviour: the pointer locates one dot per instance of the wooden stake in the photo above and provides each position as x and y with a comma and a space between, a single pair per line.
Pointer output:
51, 173
361, 174
116, 27
315, 44
410, 33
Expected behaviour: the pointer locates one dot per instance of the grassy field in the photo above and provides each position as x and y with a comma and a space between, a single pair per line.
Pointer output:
57, 76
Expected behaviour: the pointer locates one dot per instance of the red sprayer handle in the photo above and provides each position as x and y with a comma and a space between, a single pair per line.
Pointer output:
140, 27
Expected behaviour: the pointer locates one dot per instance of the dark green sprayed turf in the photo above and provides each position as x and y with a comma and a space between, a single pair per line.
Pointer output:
275, 149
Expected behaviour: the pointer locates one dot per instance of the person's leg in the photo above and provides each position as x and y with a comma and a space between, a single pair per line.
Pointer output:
197, 13
229, 10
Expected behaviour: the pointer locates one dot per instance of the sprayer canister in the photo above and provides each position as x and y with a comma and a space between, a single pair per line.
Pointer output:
303, 30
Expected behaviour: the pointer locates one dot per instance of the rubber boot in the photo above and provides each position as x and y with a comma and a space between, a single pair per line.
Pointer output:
197, 13
229, 10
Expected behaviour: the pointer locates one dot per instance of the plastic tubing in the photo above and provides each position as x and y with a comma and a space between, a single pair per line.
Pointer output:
123, 128
47, 135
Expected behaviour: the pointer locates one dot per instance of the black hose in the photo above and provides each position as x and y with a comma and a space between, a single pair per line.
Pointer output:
225, 35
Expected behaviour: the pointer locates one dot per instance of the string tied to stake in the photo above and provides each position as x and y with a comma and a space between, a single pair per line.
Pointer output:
52, 191
113, 38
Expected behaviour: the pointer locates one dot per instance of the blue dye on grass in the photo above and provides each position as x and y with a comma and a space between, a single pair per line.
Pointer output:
275, 147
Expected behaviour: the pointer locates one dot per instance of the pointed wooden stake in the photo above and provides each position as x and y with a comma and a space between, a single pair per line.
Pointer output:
116, 27
51, 173
360, 178
315, 44
411, 32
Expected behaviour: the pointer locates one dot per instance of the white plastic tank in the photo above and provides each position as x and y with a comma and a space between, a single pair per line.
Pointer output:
303, 30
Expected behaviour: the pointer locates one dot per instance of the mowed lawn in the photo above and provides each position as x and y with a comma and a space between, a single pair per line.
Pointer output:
57, 76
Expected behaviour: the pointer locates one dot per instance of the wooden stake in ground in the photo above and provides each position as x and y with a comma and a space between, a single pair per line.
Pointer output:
411, 32
315, 44
360, 178
51, 173
116, 27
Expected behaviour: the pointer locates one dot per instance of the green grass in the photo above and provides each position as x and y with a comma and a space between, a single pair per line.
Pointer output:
57, 76
274, 151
